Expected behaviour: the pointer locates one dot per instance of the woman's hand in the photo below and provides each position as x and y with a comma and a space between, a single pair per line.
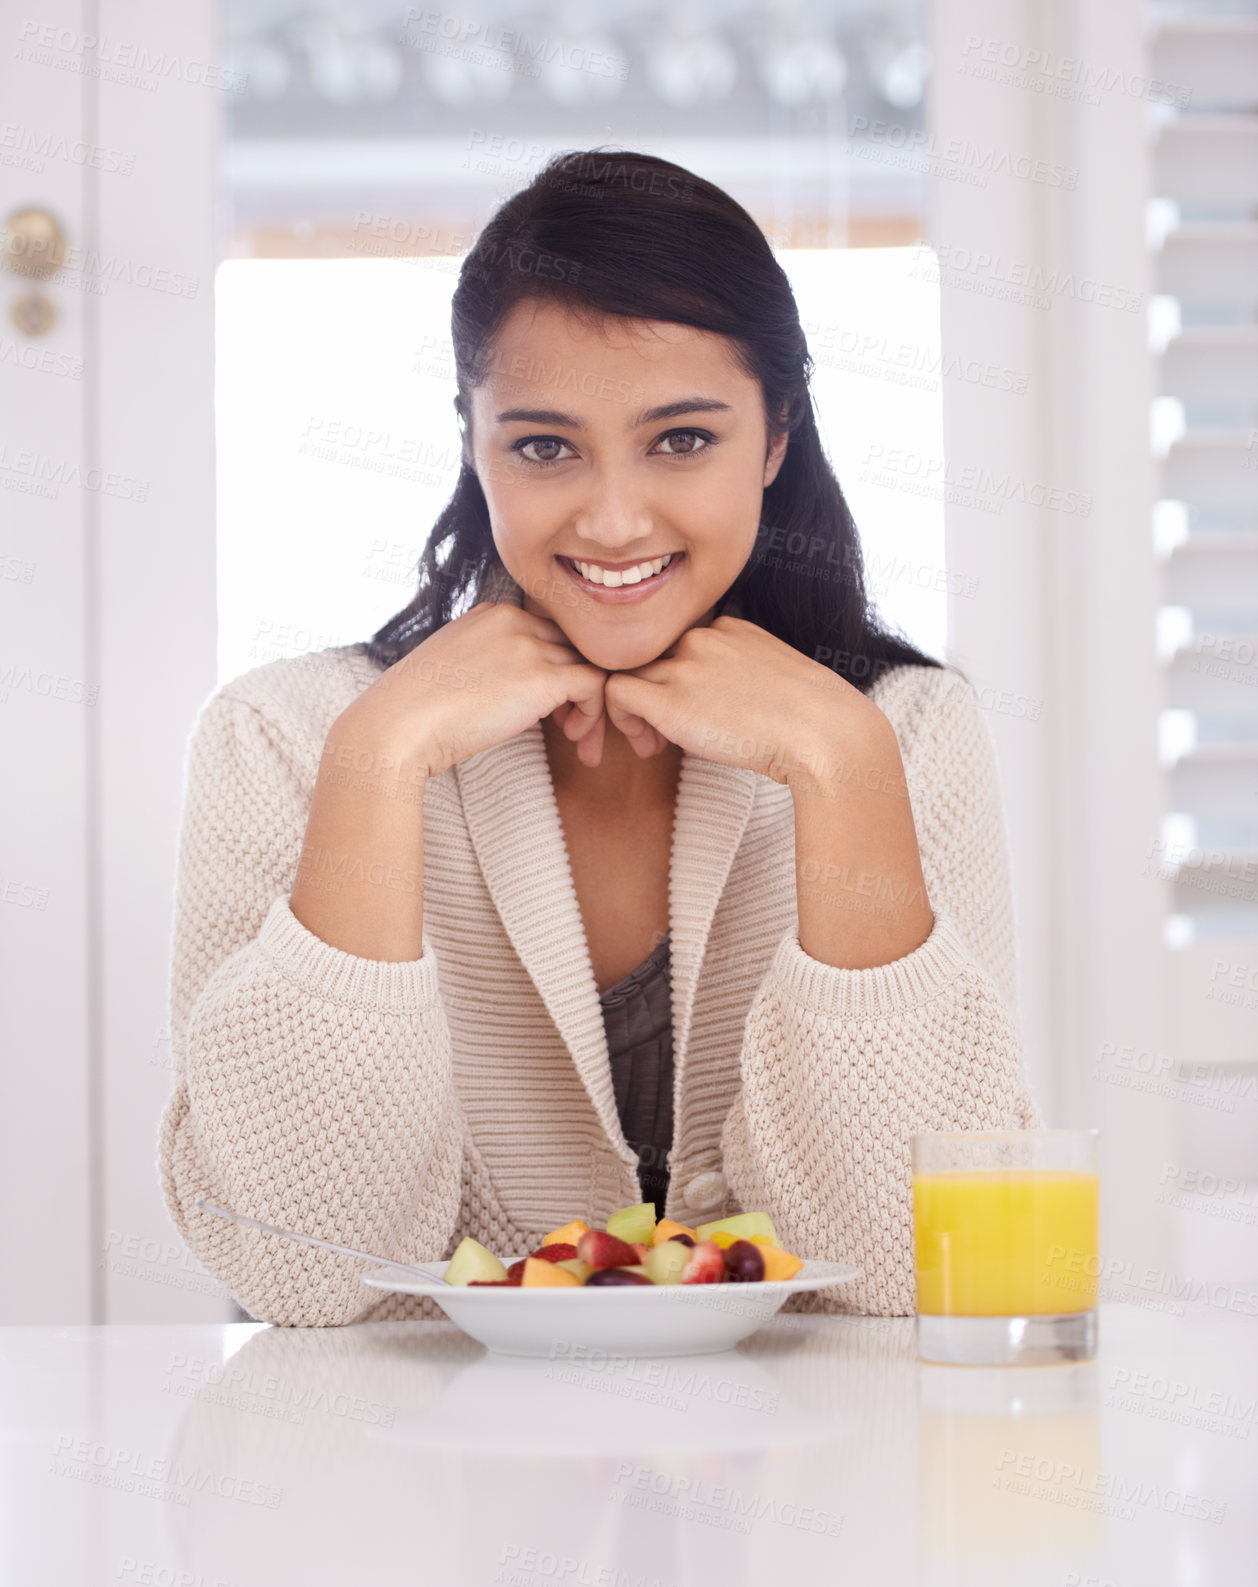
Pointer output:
730, 692
734, 693
479, 680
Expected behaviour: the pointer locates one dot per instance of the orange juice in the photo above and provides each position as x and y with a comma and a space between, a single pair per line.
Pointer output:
1006, 1243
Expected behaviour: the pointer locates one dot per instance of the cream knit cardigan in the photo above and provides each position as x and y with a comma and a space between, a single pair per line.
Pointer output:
396, 1107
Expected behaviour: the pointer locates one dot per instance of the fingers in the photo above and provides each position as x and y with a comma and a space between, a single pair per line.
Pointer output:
581, 716
583, 720
586, 730
644, 739
590, 745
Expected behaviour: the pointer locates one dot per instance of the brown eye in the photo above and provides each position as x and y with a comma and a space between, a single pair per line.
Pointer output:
539, 441
689, 438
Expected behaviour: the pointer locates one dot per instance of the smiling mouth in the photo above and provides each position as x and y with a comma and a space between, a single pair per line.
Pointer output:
648, 572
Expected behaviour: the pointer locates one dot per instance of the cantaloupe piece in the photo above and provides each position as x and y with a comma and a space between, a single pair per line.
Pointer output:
779, 1264
539, 1274
569, 1234
666, 1228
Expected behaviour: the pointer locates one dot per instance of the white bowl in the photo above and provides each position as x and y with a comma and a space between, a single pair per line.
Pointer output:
628, 1320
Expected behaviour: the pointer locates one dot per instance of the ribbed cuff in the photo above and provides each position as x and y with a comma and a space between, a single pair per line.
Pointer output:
875, 993
401, 987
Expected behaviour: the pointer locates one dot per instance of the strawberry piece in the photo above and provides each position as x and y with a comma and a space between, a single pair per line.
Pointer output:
491, 1283
601, 1249
516, 1271
559, 1252
706, 1265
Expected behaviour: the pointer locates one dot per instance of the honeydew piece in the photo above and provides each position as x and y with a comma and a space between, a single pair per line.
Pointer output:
743, 1226
634, 1225
574, 1264
540, 1274
472, 1261
665, 1263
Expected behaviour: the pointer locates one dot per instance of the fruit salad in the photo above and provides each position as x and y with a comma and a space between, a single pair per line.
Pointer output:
635, 1248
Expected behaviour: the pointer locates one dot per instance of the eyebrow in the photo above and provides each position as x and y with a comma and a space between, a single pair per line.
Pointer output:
668, 410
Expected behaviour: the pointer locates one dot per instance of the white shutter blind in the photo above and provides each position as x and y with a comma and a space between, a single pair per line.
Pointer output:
1205, 327
1206, 228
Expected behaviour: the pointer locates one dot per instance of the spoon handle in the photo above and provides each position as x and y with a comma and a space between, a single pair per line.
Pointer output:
326, 1245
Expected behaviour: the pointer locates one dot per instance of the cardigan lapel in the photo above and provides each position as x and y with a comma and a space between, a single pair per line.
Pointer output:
714, 802
513, 818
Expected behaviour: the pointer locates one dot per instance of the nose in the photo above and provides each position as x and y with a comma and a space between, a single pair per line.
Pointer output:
614, 516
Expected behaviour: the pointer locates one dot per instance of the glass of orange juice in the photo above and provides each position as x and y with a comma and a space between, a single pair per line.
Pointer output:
1006, 1245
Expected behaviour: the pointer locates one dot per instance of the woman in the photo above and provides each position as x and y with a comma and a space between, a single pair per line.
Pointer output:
634, 858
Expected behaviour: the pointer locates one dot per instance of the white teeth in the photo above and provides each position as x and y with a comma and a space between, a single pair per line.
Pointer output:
614, 578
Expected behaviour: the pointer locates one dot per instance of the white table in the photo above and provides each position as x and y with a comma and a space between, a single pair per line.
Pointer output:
820, 1451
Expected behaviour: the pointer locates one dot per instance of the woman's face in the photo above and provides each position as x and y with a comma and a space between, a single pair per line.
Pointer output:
577, 466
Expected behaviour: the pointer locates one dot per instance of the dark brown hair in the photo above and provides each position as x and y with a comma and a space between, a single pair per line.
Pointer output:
619, 233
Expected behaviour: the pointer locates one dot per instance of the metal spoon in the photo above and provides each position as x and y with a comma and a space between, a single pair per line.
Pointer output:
326, 1245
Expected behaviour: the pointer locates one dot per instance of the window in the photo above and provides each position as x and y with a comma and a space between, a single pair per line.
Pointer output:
337, 443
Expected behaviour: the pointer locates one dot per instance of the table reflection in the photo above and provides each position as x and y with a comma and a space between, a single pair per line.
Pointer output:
1003, 1458
671, 1470
818, 1450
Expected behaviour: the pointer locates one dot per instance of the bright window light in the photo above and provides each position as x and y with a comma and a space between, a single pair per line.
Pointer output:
337, 442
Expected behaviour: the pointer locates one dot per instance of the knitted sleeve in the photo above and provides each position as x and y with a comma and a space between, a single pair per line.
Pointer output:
840, 1067
313, 1089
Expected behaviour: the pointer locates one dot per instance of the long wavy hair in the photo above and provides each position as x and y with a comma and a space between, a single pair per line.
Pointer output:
618, 233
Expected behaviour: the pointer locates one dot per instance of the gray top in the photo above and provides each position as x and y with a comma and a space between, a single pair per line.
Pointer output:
637, 1016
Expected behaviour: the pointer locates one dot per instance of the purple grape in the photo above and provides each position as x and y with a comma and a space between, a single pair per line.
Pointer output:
615, 1275
744, 1263
682, 1239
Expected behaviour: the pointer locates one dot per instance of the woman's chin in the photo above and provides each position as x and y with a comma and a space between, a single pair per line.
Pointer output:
621, 657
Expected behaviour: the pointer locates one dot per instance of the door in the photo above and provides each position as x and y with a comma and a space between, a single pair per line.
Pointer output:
106, 631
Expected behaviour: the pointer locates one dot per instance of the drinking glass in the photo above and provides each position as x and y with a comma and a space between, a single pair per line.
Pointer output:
1006, 1240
